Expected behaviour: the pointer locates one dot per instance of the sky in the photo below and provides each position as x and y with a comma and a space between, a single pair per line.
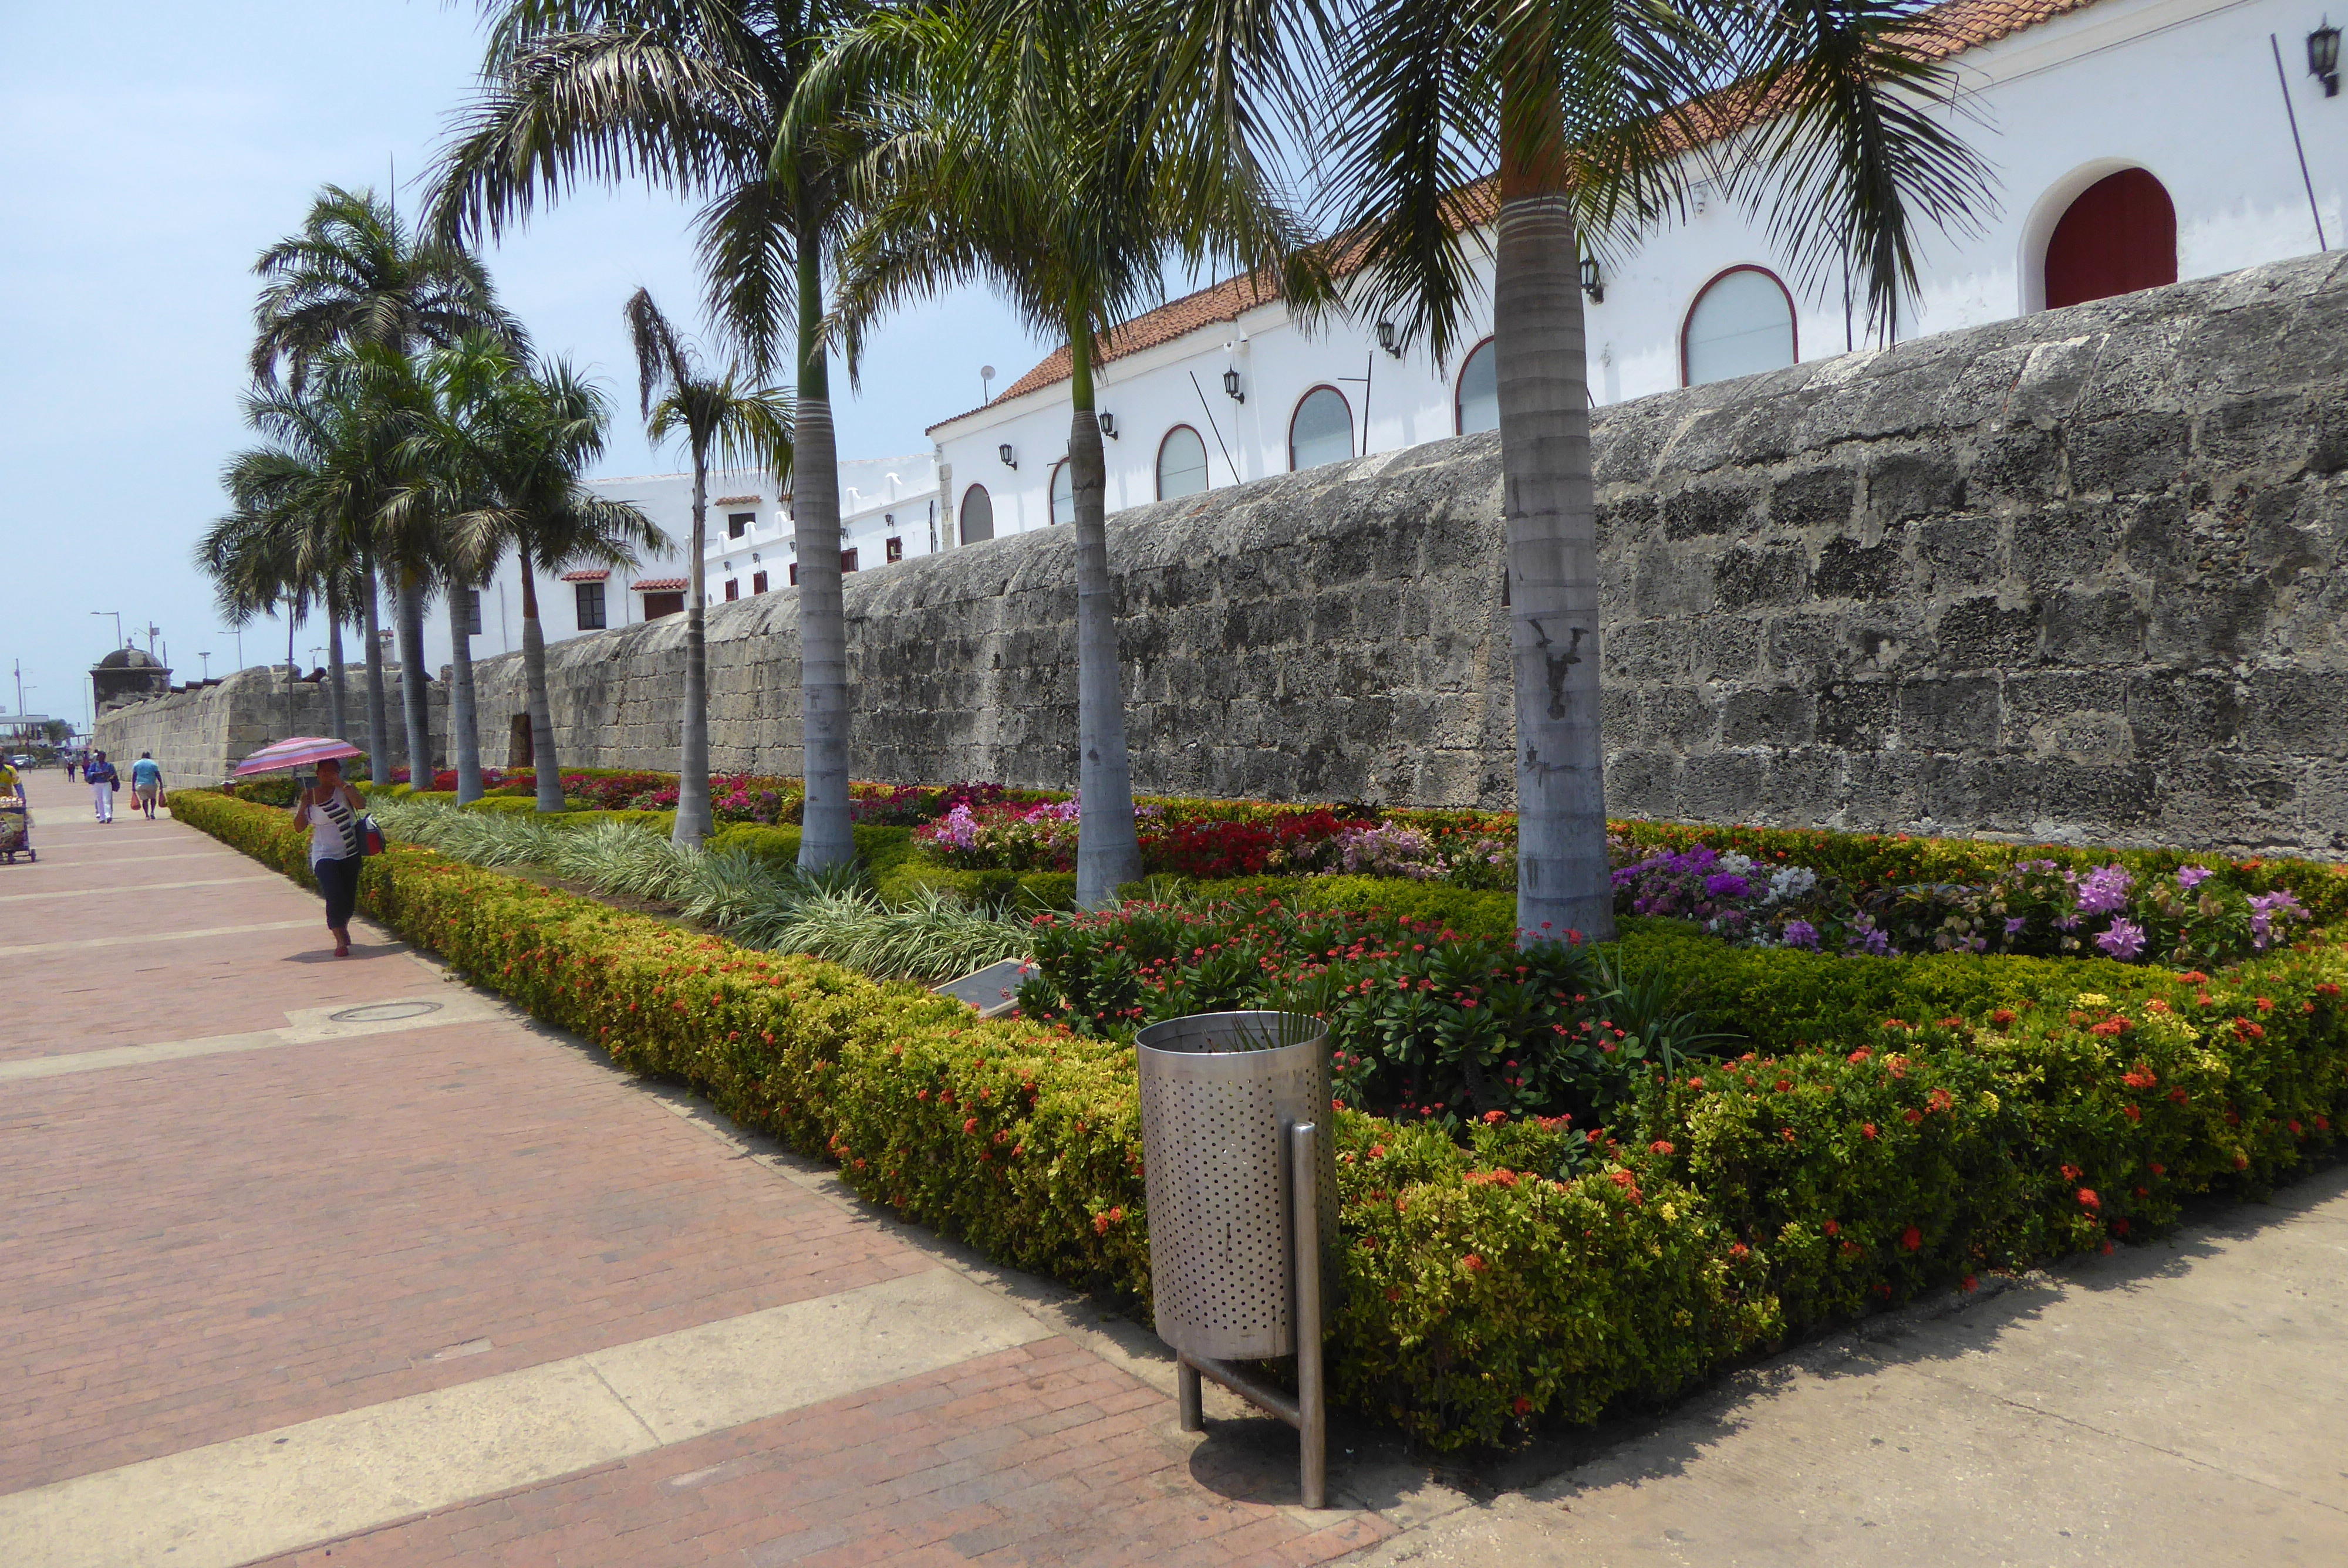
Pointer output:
148, 153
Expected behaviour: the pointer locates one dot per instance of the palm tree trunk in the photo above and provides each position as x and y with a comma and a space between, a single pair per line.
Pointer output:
415, 702
377, 715
335, 692
826, 837
1550, 506
542, 760
464, 733
693, 820
1109, 854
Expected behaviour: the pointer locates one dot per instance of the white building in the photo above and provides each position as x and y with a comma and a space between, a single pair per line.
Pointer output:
888, 510
2134, 143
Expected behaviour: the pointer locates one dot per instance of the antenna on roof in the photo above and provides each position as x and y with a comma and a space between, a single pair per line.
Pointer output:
986, 383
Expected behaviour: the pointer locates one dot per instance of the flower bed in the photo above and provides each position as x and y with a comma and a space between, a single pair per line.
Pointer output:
1890, 1125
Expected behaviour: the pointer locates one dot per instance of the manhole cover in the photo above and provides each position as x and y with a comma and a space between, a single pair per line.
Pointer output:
383, 1012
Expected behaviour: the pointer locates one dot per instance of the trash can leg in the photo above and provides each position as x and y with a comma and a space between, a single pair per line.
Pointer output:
1312, 1424
1186, 1393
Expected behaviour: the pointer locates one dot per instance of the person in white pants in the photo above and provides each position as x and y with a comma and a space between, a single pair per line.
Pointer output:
101, 776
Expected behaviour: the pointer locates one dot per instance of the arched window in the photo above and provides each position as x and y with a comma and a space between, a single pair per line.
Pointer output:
1478, 407
1741, 324
1321, 430
1064, 493
1181, 464
977, 515
2117, 236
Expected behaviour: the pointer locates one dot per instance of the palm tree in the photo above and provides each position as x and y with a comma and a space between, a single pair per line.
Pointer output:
689, 95
520, 440
1041, 159
355, 275
743, 430
317, 484
1828, 116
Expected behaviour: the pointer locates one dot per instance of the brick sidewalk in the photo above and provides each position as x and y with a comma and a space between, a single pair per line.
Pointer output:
203, 1249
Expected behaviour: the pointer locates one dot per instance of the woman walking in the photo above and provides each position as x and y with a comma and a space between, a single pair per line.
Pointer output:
330, 809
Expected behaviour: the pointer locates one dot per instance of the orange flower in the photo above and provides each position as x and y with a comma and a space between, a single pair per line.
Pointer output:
2088, 1199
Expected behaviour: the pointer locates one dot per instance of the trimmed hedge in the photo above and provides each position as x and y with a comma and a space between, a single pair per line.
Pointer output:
1542, 1271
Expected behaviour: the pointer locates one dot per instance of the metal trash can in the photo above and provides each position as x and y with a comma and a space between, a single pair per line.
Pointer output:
1240, 1176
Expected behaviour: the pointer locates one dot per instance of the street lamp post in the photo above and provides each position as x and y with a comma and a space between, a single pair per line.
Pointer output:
117, 623
208, 663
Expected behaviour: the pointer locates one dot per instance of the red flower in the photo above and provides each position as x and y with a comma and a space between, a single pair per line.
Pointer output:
1523, 1405
971, 1125
2133, 1113
1472, 1263
2001, 1017
1737, 1249
1911, 1116
1870, 1130
1862, 1054
2070, 1172
1911, 1239
1492, 1118
1970, 1283
1834, 1227
2088, 1199
2119, 1227
1660, 1146
2159, 1170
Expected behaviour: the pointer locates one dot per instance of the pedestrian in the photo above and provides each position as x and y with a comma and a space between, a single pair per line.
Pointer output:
103, 781
330, 809
146, 783
72, 761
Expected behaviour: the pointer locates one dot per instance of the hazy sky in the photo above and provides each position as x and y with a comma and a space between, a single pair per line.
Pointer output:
148, 152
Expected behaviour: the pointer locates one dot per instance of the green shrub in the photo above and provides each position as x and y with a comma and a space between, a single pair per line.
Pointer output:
1534, 1272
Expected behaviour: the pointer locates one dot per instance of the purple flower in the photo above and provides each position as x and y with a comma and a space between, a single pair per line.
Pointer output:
1801, 934
2105, 890
1727, 884
2269, 911
2014, 924
2189, 877
2124, 940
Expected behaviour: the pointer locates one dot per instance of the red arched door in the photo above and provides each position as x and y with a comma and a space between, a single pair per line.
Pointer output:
2119, 236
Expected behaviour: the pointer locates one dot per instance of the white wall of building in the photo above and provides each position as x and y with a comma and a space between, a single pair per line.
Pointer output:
2186, 89
881, 499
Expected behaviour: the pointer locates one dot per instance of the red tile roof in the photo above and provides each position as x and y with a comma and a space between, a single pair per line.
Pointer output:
1955, 25
585, 576
661, 585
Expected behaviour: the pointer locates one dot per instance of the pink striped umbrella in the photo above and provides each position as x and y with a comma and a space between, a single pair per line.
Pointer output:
299, 752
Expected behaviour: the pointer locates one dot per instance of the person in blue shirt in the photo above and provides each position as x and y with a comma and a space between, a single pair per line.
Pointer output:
146, 783
103, 781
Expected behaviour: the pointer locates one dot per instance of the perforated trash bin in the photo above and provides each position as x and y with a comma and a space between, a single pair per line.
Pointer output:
1217, 1169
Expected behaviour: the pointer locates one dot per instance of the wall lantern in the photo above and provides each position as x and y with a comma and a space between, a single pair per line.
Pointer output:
2323, 57
1387, 339
1593, 282
1010, 458
1232, 386
1109, 424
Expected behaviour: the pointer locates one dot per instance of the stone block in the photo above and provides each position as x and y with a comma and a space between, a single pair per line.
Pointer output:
1849, 569
2093, 626
1953, 713
1750, 575
1913, 484
1982, 633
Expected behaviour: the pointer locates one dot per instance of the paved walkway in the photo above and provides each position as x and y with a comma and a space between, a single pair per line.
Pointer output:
294, 1270
277, 1285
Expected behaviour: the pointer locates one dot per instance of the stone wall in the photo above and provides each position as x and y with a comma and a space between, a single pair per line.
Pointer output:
2074, 576
199, 733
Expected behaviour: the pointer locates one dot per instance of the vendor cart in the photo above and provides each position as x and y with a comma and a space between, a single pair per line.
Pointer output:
15, 830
